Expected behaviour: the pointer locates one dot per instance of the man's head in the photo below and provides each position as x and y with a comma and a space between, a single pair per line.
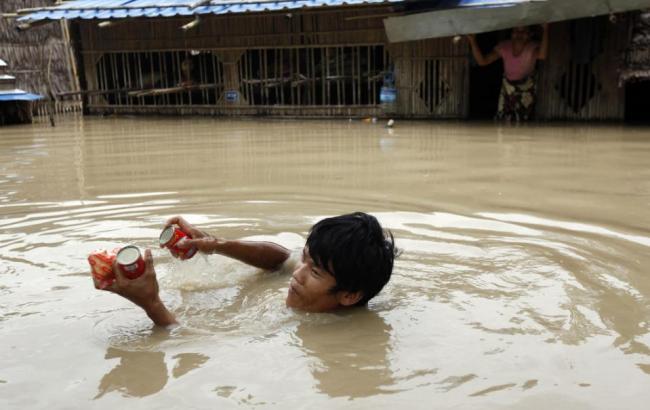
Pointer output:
347, 260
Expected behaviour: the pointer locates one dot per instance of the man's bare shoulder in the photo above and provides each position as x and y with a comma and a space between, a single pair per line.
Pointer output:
292, 261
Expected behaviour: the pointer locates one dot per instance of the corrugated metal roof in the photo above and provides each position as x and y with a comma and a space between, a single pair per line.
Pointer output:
117, 9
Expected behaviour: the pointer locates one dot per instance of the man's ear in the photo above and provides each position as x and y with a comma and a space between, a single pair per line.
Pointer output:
349, 298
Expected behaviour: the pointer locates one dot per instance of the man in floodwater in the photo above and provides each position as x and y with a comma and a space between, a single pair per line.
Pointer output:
346, 261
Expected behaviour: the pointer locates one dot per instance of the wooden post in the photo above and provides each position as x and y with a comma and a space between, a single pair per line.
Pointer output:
50, 93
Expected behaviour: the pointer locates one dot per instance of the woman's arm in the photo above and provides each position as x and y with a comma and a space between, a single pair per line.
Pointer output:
543, 48
478, 55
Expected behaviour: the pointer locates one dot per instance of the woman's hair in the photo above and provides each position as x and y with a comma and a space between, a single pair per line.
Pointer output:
534, 32
356, 251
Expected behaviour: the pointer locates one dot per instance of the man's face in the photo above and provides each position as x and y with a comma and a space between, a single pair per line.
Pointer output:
309, 289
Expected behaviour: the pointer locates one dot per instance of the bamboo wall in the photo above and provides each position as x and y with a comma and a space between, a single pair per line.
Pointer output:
432, 78
574, 87
237, 31
29, 53
637, 53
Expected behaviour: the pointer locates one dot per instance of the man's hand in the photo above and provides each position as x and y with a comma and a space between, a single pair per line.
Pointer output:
206, 245
185, 227
142, 291
200, 240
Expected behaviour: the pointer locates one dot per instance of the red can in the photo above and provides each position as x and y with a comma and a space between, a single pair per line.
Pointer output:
170, 237
130, 260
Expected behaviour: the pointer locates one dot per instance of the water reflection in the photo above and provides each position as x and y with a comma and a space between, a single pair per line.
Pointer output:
142, 373
352, 354
137, 374
187, 362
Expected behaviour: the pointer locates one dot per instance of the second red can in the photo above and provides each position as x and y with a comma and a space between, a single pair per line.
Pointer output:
170, 237
130, 260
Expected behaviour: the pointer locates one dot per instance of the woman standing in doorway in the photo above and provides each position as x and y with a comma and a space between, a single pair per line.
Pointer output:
519, 55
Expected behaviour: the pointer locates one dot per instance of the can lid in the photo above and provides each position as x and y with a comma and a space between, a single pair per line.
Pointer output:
166, 235
128, 255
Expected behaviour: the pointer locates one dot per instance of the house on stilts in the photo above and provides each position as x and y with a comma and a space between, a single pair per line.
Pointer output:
340, 58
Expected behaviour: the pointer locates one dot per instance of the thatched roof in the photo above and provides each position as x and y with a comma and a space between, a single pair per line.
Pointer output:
27, 53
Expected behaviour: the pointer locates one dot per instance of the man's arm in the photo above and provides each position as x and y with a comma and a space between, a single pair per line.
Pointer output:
263, 255
142, 291
160, 315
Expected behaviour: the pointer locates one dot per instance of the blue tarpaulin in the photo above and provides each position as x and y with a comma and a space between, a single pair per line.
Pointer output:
18, 95
118, 9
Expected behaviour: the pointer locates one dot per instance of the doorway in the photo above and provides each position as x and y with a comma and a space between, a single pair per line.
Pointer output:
485, 82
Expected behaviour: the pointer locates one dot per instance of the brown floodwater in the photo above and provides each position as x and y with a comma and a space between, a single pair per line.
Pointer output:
523, 280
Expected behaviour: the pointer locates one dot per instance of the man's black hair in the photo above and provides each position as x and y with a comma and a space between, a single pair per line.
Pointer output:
356, 251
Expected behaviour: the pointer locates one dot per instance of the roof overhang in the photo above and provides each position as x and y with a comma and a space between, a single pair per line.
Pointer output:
477, 16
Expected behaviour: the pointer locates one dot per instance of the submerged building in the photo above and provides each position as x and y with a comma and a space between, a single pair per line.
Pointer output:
347, 58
